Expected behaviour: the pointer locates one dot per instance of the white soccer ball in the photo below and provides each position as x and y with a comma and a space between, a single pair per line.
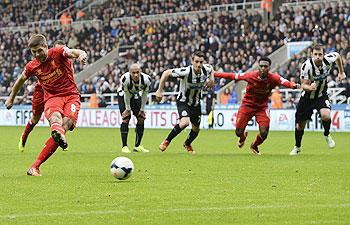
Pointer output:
122, 168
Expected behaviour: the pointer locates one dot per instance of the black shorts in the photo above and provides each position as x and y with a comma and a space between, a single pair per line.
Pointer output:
306, 107
194, 112
135, 104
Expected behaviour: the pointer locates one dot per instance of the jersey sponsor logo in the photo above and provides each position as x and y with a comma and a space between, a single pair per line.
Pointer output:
49, 78
196, 86
320, 76
322, 73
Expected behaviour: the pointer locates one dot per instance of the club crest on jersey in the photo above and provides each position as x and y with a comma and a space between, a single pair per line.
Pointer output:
39, 72
53, 63
184, 113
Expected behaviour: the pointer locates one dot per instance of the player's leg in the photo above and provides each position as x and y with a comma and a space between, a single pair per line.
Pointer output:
53, 112
326, 122
302, 115
299, 132
324, 109
195, 118
263, 119
184, 113
37, 110
70, 113
244, 115
29, 127
57, 130
140, 127
124, 126
49, 148
51, 108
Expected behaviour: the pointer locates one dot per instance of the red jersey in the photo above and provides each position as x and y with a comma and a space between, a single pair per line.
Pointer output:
55, 74
258, 90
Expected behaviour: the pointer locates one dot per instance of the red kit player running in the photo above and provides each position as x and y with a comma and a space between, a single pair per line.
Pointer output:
254, 103
38, 105
53, 69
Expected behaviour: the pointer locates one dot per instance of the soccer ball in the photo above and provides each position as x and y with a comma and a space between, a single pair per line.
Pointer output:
122, 168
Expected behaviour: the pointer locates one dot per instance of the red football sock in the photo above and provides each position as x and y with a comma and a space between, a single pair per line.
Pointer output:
29, 127
258, 140
58, 127
49, 148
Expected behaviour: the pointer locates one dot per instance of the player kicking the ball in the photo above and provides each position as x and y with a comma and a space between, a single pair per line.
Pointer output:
38, 105
53, 69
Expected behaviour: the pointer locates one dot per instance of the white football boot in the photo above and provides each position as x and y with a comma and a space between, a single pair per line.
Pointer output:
330, 141
295, 151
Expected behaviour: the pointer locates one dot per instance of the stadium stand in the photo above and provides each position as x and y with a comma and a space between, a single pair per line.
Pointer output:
233, 41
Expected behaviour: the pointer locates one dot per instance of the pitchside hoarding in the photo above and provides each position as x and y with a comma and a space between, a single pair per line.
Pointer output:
224, 119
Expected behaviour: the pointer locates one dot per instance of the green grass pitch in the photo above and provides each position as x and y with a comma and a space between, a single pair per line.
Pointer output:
219, 185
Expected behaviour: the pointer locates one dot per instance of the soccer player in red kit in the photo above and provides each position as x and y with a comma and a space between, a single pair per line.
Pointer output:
53, 69
38, 105
254, 103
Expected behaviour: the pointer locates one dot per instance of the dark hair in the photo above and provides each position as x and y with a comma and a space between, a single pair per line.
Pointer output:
317, 46
198, 54
36, 40
59, 42
265, 58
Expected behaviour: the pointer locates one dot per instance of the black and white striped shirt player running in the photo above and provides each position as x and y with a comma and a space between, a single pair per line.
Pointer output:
132, 96
313, 76
193, 79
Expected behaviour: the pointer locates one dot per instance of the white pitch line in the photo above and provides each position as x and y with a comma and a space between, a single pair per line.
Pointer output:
171, 210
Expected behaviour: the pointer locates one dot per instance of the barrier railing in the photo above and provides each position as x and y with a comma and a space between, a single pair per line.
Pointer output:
335, 96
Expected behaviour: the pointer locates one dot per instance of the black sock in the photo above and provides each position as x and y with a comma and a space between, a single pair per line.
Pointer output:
191, 137
124, 130
298, 136
139, 133
174, 132
326, 126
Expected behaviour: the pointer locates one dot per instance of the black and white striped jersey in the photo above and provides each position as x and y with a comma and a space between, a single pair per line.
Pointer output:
309, 71
191, 84
131, 89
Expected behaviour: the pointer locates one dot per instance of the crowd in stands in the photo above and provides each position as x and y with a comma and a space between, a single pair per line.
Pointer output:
121, 8
235, 46
233, 42
20, 12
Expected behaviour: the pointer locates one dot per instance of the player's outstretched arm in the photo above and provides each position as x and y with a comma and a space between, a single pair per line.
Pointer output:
15, 89
339, 62
231, 76
286, 83
81, 55
164, 77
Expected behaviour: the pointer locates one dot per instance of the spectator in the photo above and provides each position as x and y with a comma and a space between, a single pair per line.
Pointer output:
276, 99
225, 97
